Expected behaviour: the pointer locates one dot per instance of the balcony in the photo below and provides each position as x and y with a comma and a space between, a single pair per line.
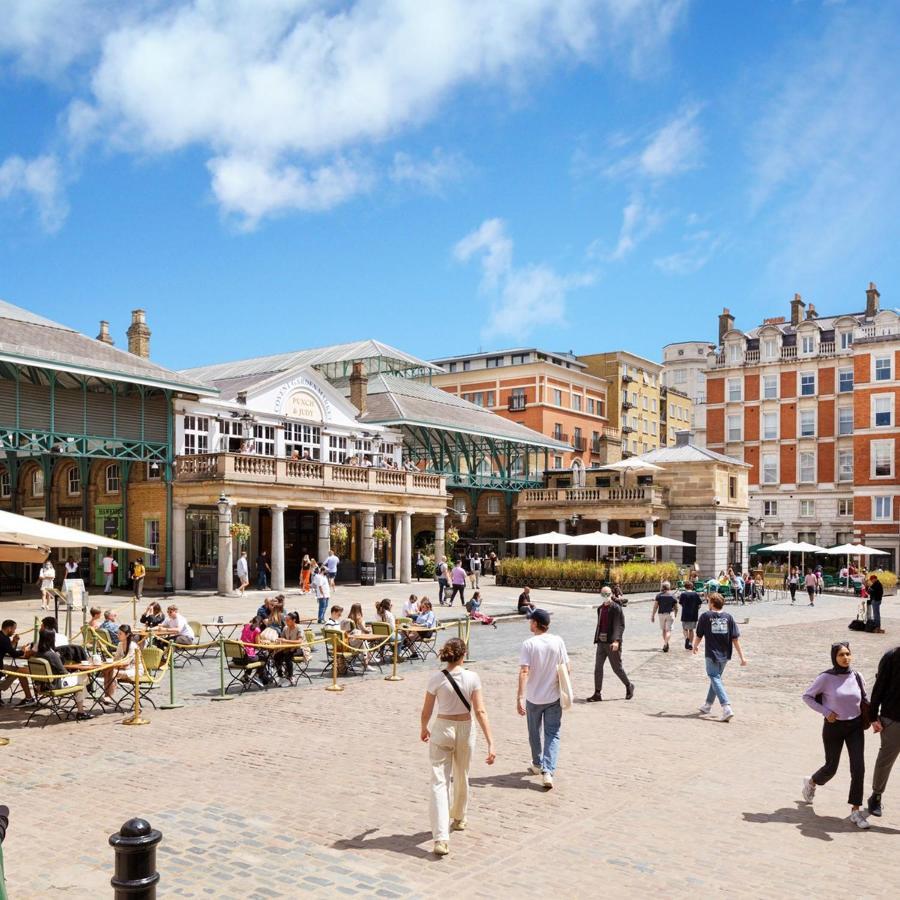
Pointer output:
252, 469
517, 403
627, 379
627, 429
627, 404
561, 436
640, 496
579, 443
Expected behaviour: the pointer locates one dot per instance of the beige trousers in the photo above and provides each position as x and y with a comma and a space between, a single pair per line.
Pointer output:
450, 749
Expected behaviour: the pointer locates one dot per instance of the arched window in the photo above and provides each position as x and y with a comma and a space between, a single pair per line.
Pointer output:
577, 473
37, 483
113, 480
73, 481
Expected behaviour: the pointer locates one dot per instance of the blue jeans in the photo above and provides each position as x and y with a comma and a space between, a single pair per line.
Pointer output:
262, 582
875, 612
716, 689
550, 716
323, 603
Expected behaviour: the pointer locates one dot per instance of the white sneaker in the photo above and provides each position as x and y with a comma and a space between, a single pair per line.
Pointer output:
535, 770
808, 790
860, 819
548, 782
727, 714
706, 709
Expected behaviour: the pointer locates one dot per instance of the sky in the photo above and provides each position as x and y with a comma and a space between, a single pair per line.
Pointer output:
446, 177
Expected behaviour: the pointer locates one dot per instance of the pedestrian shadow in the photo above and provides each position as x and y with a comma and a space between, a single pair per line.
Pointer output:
407, 844
516, 780
804, 817
694, 715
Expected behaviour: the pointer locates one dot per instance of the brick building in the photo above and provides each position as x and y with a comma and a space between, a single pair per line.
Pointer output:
810, 403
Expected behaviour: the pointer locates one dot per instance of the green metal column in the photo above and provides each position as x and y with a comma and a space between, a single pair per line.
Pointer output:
169, 586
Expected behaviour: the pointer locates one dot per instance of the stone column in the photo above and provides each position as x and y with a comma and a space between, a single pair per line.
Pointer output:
179, 536
439, 553
523, 529
604, 526
561, 528
398, 544
648, 526
226, 563
368, 542
324, 535
278, 548
406, 548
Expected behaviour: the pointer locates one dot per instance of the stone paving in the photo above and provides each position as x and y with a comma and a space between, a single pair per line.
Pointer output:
305, 790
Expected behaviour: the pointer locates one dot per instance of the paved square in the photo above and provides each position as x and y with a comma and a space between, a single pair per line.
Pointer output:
305, 790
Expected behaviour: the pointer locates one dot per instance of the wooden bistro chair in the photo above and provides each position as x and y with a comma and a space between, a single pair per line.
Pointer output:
154, 665
59, 701
240, 670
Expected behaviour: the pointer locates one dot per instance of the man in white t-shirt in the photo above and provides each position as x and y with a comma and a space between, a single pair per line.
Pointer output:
538, 695
109, 571
176, 626
322, 589
331, 567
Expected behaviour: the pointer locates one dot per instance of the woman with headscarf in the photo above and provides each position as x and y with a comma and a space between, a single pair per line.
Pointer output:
838, 694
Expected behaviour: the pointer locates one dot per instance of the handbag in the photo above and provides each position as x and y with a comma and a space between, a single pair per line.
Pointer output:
566, 691
865, 708
455, 687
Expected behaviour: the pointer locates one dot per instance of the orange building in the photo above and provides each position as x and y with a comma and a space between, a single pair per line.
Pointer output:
552, 393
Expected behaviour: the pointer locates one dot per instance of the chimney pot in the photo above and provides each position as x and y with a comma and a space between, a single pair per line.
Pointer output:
872, 297
104, 336
797, 306
359, 386
726, 323
811, 312
139, 334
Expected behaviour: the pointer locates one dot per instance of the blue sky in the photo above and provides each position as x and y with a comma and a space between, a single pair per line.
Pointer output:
266, 175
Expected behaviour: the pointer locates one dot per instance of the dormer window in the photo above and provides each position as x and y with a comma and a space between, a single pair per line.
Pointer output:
846, 340
770, 348
735, 353
808, 344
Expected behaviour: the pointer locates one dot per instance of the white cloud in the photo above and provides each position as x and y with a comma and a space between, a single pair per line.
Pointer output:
522, 298
39, 181
431, 174
701, 247
284, 91
638, 223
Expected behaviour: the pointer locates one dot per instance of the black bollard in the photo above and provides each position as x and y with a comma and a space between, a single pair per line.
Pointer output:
135, 877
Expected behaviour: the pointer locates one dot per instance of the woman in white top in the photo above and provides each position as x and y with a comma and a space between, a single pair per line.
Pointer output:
47, 577
452, 740
411, 607
124, 659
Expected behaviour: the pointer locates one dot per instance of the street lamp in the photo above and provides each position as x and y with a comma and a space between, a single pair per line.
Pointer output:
223, 504
575, 518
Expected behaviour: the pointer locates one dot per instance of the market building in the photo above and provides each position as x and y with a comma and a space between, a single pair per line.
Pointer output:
86, 437
810, 403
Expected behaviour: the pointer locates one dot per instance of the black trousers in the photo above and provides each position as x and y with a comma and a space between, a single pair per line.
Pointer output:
604, 652
834, 736
458, 589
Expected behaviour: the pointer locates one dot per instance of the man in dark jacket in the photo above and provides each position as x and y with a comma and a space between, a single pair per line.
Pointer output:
608, 638
885, 713
876, 592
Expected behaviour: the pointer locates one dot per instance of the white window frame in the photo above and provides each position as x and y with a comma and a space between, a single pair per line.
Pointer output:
878, 369
807, 509
264, 440
735, 390
493, 506
767, 381
844, 471
806, 423
735, 353
151, 540
5, 484
576, 402
769, 468
770, 434
843, 420
886, 445
810, 469
37, 483
557, 397
73, 481
770, 348
847, 389
557, 462
337, 448
882, 509
732, 432
303, 438
196, 435
845, 506
770, 508
882, 400
846, 340
112, 478
808, 344
811, 375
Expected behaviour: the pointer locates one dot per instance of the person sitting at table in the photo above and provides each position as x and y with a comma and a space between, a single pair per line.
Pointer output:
96, 617
411, 607
426, 620
251, 634
176, 627
46, 650
337, 620
109, 628
284, 659
473, 608
359, 629
125, 666
265, 609
9, 647
276, 617
153, 616
49, 623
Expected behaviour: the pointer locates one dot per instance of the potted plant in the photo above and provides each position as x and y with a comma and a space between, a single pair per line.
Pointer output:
241, 533
339, 533
381, 535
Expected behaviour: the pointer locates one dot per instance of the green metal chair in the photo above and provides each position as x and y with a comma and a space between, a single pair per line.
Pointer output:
59, 701
240, 668
154, 665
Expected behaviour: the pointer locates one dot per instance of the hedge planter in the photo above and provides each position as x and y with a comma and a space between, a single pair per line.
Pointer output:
575, 584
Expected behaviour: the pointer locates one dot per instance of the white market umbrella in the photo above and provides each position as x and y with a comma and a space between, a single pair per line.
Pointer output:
28, 532
658, 540
632, 464
553, 538
854, 550
790, 547
599, 539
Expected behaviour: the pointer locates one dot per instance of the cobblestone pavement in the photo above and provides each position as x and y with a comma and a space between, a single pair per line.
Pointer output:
302, 789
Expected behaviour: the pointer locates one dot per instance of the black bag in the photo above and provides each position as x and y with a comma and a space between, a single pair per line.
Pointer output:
857, 625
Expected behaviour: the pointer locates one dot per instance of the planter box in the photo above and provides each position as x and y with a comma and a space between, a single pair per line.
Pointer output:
575, 584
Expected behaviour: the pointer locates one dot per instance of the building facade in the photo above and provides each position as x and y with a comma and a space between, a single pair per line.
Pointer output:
684, 369
635, 403
809, 403
550, 393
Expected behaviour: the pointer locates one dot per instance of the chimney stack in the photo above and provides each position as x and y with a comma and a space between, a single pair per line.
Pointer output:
872, 296
104, 336
683, 439
797, 306
726, 323
139, 334
811, 312
359, 386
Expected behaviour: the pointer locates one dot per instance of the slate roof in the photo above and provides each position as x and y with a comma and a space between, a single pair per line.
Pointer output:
30, 339
402, 401
689, 453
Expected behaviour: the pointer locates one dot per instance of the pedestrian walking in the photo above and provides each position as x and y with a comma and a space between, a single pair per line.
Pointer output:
305, 573
243, 572
493, 559
793, 582
838, 694
538, 696
885, 714
458, 584
457, 693
47, 577
109, 565
420, 565
873, 603
331, 568
666, 605
440, 572
263, 570
138, 573
608, 638
321, 585
721, 635
475, 572
811, 583
690, 602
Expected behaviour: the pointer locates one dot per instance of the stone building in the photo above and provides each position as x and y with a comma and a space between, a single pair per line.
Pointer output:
684, 368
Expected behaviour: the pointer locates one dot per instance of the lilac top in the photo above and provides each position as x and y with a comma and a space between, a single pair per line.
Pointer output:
840, 695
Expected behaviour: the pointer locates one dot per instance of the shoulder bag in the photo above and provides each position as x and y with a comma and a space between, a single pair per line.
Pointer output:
455, 687
865, 708
566, 691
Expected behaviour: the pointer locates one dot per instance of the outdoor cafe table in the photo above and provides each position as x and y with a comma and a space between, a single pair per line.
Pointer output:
222, 629
94, 687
